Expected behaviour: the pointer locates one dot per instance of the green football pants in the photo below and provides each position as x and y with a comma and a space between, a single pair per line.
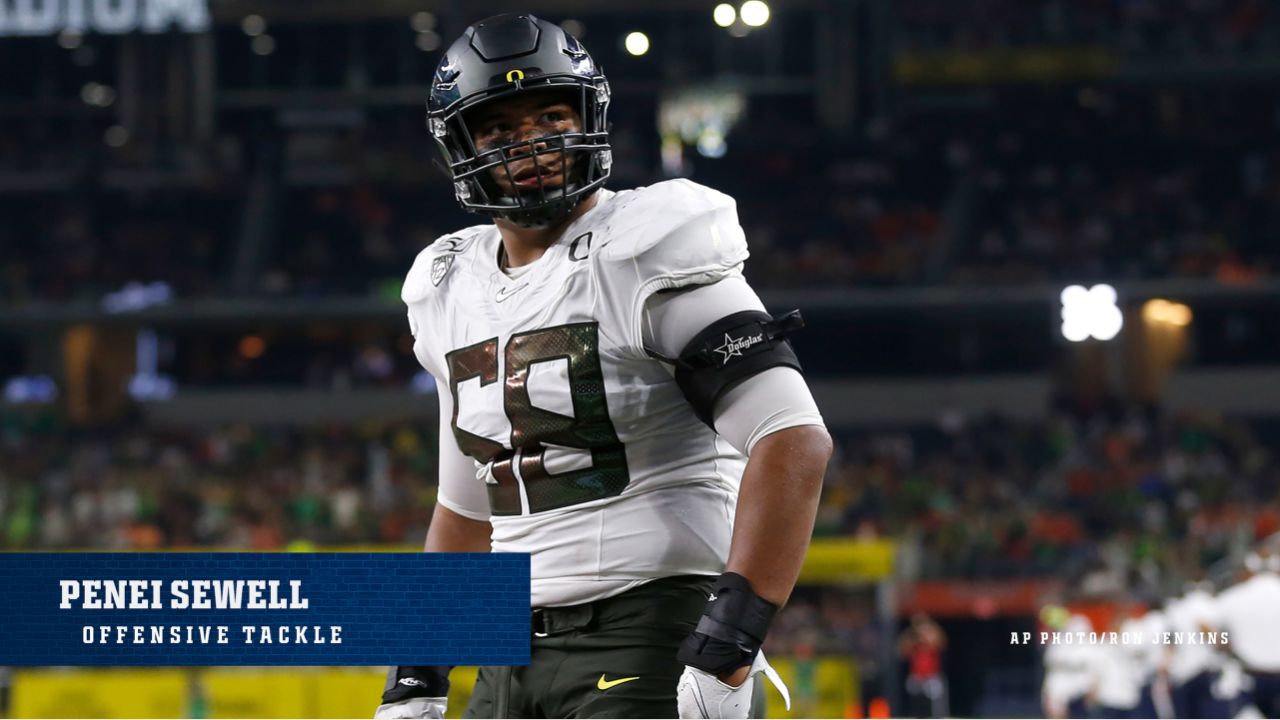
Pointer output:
614, 658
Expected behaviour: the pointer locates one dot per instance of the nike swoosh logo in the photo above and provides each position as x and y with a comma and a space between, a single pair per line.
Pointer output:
606, 684
505, 293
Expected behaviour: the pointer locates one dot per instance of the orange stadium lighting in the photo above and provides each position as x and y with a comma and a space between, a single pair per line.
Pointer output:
252, 347
1165, 312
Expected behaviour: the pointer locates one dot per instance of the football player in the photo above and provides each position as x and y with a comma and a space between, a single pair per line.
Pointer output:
1246, 612
614, 400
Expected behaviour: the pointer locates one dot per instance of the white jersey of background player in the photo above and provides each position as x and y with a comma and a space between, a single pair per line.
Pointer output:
1118, 671
1151, 657
1249, 612
571, 337
1190, 615
1068, 669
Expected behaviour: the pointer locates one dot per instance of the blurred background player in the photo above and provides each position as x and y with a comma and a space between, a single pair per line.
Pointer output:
1248, 611
1117, 673
1068, 666
1152, 660
1194, 664
922, 644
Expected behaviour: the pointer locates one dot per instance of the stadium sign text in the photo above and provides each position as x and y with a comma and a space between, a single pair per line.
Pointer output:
114, 17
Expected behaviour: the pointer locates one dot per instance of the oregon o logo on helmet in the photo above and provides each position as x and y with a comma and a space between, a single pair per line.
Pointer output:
495, 59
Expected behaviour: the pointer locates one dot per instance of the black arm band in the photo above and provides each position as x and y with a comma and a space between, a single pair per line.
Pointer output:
731, 630
731, 350
405, 682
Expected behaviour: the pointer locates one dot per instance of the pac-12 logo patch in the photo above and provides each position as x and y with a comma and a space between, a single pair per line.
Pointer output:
439, 267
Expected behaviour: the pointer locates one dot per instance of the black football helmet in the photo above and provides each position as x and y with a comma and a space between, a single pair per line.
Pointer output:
500, 57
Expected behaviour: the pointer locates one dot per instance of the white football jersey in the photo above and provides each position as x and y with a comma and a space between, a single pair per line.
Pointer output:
1188, 615
1247, 611
582, 449
1068, 668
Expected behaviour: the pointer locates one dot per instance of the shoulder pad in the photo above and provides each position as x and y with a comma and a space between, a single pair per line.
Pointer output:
435, 261
678, 230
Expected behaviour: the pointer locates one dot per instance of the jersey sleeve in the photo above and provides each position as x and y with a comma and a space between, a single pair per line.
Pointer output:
418, 299
773, 400
431, 269
459, 489
672, 235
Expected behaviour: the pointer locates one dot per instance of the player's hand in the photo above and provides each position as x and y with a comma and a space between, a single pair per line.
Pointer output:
700, 694
419, 708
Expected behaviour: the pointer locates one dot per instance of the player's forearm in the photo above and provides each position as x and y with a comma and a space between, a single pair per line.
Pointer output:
777, 506
451, 532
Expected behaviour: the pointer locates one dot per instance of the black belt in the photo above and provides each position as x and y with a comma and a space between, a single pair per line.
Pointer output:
556, 620
654, 594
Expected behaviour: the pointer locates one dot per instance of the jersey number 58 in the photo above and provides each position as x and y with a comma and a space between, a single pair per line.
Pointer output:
519, 467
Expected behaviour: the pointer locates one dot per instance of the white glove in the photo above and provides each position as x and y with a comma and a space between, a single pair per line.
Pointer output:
423, 708
700, 694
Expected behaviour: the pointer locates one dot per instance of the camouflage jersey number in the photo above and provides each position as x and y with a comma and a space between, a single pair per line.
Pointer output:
589, 428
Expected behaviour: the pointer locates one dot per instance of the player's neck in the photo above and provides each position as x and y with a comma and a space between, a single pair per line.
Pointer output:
523, 245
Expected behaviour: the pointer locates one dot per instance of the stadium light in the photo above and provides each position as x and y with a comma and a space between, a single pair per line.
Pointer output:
70, 39
148, 384
755, 13
724, 15
32, 389
97, 95
252, 347
1163, 312
711, 143
1090, 313
143, 387
263, 45
116, 136
137, 296
637, 43
253, 25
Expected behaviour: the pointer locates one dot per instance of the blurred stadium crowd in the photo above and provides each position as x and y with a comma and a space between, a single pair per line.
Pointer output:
1128, 500
1138, 26
1102, 183
1130, 505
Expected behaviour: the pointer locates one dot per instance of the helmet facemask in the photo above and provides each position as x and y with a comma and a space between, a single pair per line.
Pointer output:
583, 156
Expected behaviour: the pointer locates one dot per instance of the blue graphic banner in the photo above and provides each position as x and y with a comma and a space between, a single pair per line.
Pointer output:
264, 609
